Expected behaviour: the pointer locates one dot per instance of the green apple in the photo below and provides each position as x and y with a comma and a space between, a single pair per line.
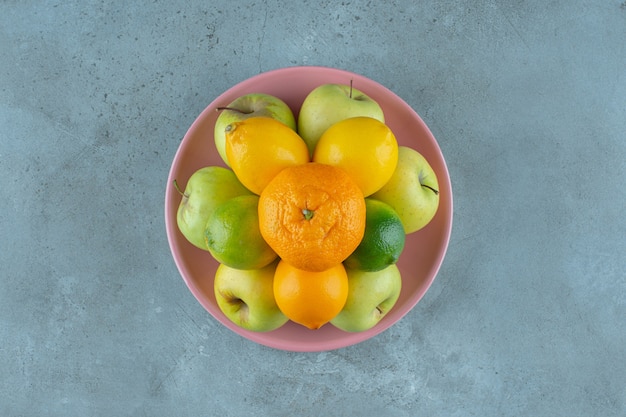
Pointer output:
246, 297
371, 296
331, 103
250, 105
206, 189
412, 191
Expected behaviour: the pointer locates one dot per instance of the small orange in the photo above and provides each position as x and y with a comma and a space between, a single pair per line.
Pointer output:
308, 298
364, 147
258, 148
312, 215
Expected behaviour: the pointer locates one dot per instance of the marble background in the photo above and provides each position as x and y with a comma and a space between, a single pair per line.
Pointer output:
527, 315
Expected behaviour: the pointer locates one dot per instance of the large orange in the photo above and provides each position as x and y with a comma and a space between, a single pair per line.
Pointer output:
364, 147
258, 148
308, 298
312, 215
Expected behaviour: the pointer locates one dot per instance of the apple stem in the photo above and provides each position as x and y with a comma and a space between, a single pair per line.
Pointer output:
233, 109
178, 189
351, 81
431, 188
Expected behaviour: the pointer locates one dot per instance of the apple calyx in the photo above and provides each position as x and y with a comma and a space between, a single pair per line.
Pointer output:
430, 188
239, 304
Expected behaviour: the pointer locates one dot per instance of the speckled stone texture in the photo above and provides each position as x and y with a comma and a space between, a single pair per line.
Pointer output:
527, 316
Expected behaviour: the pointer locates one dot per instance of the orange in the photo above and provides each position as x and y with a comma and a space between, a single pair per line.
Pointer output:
312, 216
364, 147
309, 298
258, 148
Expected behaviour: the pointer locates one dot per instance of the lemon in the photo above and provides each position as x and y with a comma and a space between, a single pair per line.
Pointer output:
364, 147
233, 237
383, 240
258, 148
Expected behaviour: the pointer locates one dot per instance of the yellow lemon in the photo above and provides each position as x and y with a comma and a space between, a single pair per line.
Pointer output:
258, 148
364, 147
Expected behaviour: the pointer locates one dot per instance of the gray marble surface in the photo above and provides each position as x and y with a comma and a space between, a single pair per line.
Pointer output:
528, 103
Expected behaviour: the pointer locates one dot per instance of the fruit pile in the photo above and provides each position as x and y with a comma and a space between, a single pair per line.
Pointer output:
309, 216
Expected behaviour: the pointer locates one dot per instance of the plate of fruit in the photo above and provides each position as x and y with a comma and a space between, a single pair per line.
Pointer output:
308, 208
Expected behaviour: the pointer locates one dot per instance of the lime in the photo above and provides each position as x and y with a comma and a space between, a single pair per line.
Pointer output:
383, 240
233, 237
206, 189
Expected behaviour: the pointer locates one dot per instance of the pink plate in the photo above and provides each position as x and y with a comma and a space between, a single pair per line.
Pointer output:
424, 250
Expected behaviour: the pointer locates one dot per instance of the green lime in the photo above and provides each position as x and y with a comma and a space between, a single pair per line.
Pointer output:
383, 240
233, 237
